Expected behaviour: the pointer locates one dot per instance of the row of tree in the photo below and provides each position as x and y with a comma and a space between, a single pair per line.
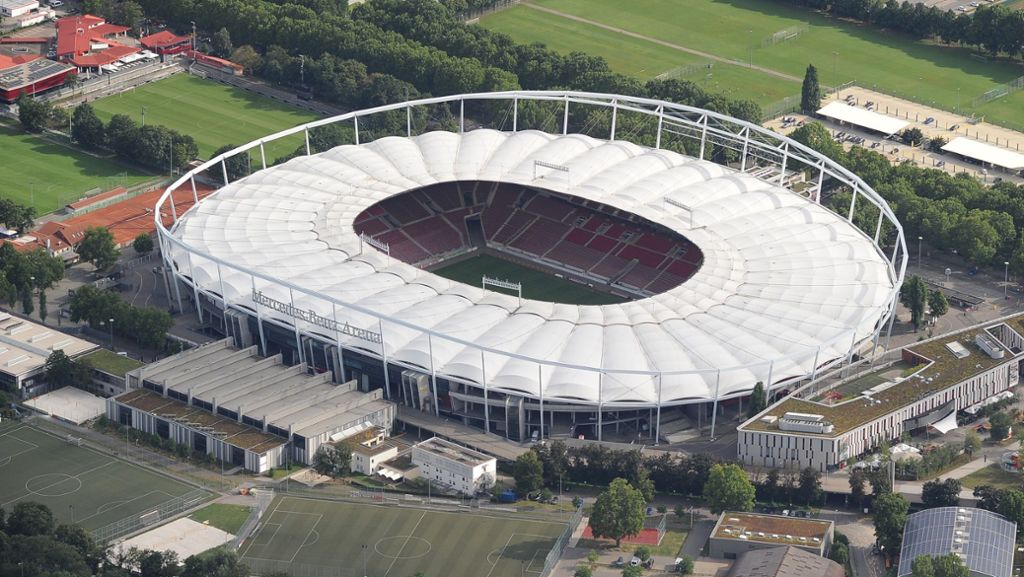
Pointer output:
147, 325
421, 43
153, 146
996, 28
24, 273
16, 216
953, 213
32, 544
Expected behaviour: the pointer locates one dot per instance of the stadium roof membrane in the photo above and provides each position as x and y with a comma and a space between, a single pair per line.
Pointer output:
785, 283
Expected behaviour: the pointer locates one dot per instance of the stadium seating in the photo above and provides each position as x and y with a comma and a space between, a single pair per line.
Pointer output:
582, 236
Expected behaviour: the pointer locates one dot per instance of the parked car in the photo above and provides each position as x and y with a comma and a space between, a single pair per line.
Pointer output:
618, 562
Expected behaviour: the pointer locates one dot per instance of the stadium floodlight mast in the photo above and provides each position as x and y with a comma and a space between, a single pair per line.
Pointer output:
505, 284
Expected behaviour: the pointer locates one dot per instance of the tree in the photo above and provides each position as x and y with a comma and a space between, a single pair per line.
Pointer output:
29, 518
922, 566
27, 305
914, 295
729, 489
939, 493
247, 57
890, 511
758, 400
770, 485
42, 306
643, 483
128, 13
79, 538
97, 246
950, 565
333, 461
72, 81
33, 114
221, 44
618, 512
856, 480
237, 165
158, 564
643, 552
685, 565
214, 563
1000, 424
937, 303
1011, 506
912, 136
60, 369
972, 442
143, 244
632, 571
810, 485
810, 94
86, 128
528, 473
840, 553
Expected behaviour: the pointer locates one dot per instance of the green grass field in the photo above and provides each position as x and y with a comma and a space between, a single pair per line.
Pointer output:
735, 29
228, 518
333, 537
212, 113
77, 483
537, 285
995, 476
39, 173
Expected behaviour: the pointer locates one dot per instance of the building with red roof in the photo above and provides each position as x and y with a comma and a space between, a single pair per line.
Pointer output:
29, 74
87, 41
166, 42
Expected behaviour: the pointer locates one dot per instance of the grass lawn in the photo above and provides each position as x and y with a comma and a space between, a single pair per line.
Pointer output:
36, 172
77, 483
735, 29
228, 518
213, 114
538, 285
111, 362
396, 541
636, 57
992, 475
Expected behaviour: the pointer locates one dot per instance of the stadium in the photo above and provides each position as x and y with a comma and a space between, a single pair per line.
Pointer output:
543, 282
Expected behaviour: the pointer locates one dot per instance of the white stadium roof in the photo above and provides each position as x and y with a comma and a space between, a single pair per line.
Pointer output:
986, 153
784, 283
862, 117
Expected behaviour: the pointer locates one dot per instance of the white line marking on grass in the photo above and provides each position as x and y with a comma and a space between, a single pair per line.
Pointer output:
530, 564
21, 428
411, 533
111, 505
277, 527
57, 483
308, 534
498, 560
269, 517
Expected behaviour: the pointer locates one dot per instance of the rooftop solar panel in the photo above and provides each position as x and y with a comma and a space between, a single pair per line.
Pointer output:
30, 73
984, 540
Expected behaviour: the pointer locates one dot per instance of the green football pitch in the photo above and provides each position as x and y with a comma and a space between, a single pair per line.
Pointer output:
738, 31
78, 484
39, 173
537, 285
212, 113
312, 537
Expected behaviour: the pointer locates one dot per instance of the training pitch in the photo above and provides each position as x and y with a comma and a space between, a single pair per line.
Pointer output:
738, 32
78, 484
306, 535
537, 285
36, 172
213, 114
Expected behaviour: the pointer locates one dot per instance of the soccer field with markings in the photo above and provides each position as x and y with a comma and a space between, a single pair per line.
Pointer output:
309, 536
77, 483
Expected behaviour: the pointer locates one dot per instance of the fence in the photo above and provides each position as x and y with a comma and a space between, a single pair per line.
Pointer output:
999, 92
684, 71
662, 528
471, 16
268, 566
561, 543
162, 512
780, 107
264, 498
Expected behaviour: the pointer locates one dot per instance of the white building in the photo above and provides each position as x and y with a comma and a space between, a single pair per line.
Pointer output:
953, 373
369, 448
15, 8
465, 470
24, 348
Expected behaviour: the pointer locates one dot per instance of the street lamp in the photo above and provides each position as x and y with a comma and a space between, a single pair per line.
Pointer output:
364, 560
835, 73
919, 239
111, 334
1006, 277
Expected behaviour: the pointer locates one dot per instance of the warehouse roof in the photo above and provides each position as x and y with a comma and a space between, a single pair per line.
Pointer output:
984, 540
25, 345
987, 153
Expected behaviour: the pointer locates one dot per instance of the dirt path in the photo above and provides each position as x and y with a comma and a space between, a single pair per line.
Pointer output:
631, 34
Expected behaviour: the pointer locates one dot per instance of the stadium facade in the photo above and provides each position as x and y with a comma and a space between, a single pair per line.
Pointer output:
734, 270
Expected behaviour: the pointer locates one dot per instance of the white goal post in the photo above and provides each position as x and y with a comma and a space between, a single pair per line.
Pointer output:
505, 284
550, 166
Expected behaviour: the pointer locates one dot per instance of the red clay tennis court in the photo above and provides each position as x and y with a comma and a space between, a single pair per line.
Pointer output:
126, 219
646, 537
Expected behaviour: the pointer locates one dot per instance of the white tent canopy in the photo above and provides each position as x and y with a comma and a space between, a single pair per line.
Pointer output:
862, 117
987, 153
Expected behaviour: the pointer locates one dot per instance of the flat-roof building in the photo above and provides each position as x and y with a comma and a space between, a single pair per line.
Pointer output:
736, 533
463, 469
862, 118
823, 430
982, 539
29, 75
264, 395
24, 348
15, 8
987, 154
